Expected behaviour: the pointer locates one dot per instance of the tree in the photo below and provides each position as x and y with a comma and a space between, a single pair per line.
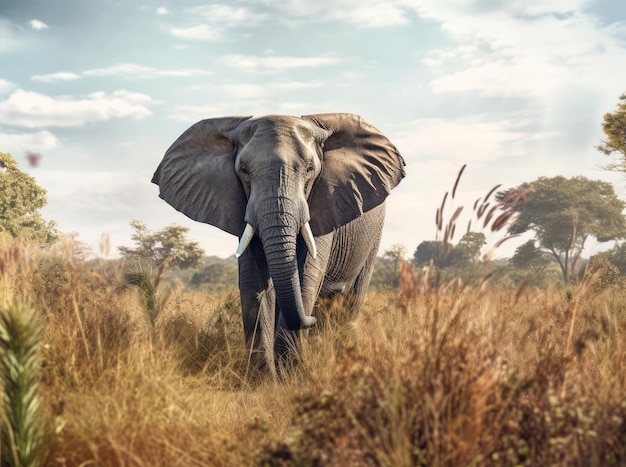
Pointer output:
385, 273
20, 201
427, 251
528, 256
216, 273
469, 247
614, 127
564, 213
167, 243
443, 255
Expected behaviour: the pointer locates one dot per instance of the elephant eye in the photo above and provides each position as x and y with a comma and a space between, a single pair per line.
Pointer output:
244, 170
309, 169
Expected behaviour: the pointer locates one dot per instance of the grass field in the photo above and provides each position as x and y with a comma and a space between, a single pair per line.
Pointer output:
428, 375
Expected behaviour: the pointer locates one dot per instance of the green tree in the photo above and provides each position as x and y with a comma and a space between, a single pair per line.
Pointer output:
385, 272
216, 273
20, 201
169, 243
427, 251
464, 253
564, 213
469, 247
528, 256
614, 127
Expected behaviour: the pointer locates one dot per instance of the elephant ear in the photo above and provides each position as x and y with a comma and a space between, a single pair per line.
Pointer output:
197, 175
360, 167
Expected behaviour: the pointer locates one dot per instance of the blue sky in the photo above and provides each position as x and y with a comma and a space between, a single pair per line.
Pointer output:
514, 89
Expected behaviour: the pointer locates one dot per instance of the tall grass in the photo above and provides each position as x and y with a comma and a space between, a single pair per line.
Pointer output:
438, 373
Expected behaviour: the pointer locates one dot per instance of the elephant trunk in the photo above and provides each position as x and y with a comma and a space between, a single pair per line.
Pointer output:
279, 234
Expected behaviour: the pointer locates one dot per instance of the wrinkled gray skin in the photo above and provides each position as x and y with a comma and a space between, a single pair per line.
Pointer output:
278, 173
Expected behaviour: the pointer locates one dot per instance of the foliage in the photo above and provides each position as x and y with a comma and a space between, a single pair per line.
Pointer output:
148, 281
215, 274
528, 256
20, 201
427, 251
470, 246
564, 213
22, 427
385, 273
614, 127
169, 243
463, 254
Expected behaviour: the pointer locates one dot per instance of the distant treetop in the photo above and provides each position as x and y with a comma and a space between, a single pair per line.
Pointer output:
20, 201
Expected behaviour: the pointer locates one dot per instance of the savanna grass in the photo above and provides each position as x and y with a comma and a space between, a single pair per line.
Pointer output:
440, 372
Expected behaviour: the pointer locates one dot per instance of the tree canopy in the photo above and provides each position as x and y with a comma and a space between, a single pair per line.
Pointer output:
528, 256
614, 127
168, 243
20, 201
464, 253
564, 213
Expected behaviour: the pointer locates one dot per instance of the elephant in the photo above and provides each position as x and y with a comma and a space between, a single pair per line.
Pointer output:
306, 197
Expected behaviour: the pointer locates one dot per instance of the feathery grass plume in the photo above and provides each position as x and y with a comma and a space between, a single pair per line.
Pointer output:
458, 179
148, 280
19, 367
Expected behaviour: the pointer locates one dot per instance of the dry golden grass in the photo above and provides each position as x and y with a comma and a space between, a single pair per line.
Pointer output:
434, 374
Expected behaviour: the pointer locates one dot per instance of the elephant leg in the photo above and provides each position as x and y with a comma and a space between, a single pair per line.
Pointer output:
356, 295
258, 307
353, 256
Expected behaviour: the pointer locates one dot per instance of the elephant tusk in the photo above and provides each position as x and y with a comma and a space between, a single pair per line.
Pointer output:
309, 239
246, 237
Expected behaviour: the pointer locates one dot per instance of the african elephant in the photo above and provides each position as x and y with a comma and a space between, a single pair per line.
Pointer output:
306, 198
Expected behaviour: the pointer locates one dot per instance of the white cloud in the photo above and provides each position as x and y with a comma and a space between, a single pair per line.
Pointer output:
251, 63
372, 14
132, 70
5, 86
217, 19
473, 139
260, 91
122, 69
54, 77
183, 73
32, 110
162, 11
20, 143
201, 32
226, 15
363, 13
525, 79
37, 24
528, 48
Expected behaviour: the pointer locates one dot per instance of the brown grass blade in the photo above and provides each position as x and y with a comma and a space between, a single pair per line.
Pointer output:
458, 178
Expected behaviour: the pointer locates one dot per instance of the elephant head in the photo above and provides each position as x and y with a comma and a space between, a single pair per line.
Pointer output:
279, 177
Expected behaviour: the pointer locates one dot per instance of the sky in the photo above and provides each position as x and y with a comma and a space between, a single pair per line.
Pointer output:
515, 89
